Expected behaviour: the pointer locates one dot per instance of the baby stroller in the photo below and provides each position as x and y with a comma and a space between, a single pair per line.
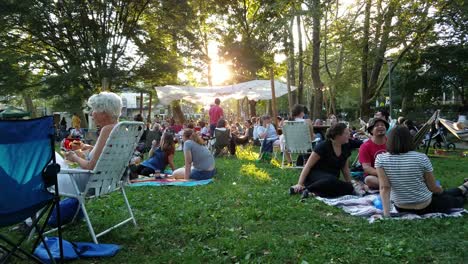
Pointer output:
439, 137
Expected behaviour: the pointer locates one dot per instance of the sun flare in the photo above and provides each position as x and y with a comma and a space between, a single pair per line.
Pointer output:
220, 73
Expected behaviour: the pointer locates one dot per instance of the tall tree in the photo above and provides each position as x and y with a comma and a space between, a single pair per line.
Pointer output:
300, 66
81, 45
315, 8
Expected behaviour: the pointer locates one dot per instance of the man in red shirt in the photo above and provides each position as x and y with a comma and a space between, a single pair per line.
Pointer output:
369, 151
215, 113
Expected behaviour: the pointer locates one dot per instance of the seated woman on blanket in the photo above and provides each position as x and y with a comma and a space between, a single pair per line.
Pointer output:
321, 173
406, 178
105, 109
159, 158
199, 162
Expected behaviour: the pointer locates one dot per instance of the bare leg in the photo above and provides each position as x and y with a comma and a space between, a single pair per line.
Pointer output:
179, 173
372, 182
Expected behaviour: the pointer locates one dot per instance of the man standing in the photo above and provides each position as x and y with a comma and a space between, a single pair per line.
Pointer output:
215, 113
369, 151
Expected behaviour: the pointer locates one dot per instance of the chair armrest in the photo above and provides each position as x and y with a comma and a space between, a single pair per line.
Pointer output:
75, 171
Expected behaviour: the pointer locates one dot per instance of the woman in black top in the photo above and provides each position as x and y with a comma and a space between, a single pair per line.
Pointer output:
321, 173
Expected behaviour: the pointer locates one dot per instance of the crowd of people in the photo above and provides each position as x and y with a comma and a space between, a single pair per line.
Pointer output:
390, 164
388, 157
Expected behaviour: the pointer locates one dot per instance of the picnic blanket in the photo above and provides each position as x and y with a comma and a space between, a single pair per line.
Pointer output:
364, 207
168, 182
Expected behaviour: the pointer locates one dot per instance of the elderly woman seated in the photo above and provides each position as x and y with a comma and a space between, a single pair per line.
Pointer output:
105, 109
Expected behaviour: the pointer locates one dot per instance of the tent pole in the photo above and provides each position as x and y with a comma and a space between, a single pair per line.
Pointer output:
273, 97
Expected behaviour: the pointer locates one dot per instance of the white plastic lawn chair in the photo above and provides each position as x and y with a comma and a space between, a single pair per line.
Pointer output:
107, 175
297, 140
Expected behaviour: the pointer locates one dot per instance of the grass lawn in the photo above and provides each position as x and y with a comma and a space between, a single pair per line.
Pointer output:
247, 216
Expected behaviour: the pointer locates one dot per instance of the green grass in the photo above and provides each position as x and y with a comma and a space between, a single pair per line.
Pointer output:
247, 216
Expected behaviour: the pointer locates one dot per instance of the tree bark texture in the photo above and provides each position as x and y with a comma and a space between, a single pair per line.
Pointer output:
315, 70
365, 107
300, 87
177, 112
252, 104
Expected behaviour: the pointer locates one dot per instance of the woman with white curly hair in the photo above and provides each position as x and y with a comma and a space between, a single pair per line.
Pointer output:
105, 109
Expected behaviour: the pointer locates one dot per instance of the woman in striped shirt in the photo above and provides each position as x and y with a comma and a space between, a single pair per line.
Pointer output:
406, 178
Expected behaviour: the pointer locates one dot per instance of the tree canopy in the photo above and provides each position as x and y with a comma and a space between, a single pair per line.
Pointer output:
334, 51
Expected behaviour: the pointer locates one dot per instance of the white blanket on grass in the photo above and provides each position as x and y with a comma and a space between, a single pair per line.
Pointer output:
364, 207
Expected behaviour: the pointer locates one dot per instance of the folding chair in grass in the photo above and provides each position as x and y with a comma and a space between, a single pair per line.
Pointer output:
27, 169
106, 177
220, 141
297, 140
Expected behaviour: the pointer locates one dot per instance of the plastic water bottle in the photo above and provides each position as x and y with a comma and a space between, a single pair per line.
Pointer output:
378, 202
437, 183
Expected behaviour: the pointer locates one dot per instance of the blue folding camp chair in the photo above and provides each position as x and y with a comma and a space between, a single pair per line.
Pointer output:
27, 170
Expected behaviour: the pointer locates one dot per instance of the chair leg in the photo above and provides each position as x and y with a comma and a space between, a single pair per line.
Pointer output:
88, 221
128, 205
34, 226
12, 252
282, 159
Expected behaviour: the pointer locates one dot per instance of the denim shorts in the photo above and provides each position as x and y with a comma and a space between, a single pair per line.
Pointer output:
199, 175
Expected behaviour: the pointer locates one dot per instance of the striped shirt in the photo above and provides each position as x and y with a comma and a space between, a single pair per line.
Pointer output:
405, 172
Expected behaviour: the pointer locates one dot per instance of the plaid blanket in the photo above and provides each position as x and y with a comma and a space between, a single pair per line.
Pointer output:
364, 207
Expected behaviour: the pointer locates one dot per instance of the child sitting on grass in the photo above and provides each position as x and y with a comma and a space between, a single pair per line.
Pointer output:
159, 158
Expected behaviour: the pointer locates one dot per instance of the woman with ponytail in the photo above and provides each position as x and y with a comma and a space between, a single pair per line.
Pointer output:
199, 162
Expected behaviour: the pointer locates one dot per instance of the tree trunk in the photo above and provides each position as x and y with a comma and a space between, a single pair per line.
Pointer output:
141, 103
253, 111
105, 82
364, 106
208, 60
245, 107
315, 71
288, 71
29, 105
379, 53
210, 76
177, 112
300, 88
148, 119
292, 62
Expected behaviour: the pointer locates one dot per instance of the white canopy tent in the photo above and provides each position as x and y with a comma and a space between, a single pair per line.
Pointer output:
254, 90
